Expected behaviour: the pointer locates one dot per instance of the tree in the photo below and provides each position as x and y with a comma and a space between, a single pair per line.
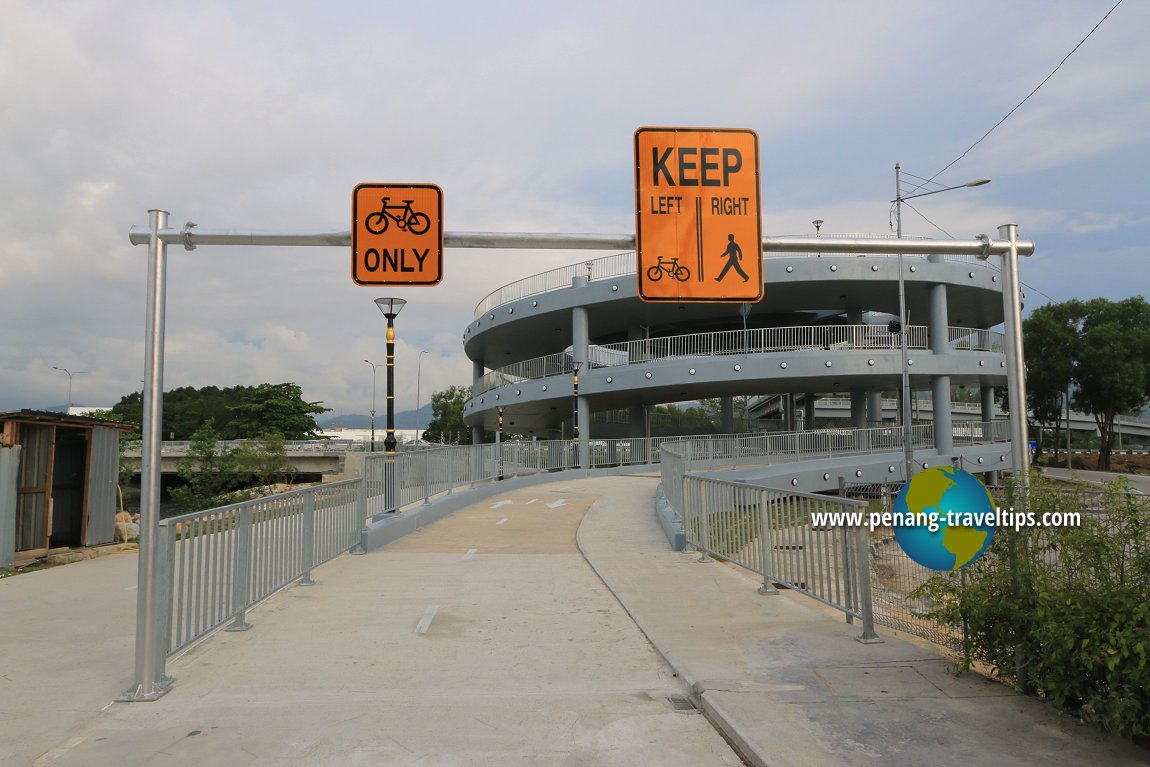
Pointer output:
1050, 339
276, 408
238, 412
1112, 371
207, 471
263, 460
446, 423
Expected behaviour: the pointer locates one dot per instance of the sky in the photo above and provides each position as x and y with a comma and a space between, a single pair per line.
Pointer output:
262, 115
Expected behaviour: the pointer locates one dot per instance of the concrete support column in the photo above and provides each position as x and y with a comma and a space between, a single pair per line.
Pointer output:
809, 411
476, 374
858, 408
788, 412
940, 385
580, 341
727, 415
874, 406
987, 398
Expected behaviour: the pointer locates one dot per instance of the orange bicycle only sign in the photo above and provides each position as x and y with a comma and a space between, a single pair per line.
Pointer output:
397, 234
698, 221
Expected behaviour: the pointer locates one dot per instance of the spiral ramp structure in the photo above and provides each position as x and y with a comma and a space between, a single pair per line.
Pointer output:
563, 348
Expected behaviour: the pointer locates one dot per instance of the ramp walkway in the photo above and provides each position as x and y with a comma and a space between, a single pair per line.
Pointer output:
493, 637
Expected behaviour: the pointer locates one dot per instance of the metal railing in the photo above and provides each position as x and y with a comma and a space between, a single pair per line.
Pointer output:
726, 342
975, 339
219, 562
623, 264
602, 268
771, 532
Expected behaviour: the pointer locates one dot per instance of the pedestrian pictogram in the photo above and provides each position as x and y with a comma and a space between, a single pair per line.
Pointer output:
397, 234
697, 212
733, 254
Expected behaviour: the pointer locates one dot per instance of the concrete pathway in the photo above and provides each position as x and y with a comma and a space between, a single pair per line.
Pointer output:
784, 679
484, 639
487, 639
1140, 482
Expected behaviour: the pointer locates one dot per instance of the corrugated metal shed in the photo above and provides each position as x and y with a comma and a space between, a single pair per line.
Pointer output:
61, 488
9, 466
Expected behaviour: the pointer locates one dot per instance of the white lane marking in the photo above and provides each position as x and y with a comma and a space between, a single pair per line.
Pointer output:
425, 622
500, 522
58, 751
470, 553
497, 504
533, 500
131, 588
557, 504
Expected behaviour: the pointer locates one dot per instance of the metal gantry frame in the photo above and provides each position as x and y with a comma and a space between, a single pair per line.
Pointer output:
150, 681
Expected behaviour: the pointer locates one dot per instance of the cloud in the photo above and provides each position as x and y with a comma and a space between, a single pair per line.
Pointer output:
261, 116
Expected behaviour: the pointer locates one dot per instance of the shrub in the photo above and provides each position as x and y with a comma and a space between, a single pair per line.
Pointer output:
1063, 612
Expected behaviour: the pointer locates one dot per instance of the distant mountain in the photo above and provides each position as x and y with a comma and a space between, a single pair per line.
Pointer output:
408, 419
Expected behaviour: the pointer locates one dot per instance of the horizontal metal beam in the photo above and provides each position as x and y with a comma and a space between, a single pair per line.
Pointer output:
193, 237
975, 247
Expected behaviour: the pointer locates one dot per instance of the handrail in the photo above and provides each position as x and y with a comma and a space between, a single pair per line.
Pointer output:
725, 342
624, 264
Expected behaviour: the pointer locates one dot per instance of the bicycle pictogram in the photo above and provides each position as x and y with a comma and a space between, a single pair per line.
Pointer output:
672, 268
403, 215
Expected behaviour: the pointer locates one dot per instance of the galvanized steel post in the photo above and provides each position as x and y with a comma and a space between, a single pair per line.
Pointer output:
150, 680
242, 569
862, 575
768, 557
1016, 371
308, 539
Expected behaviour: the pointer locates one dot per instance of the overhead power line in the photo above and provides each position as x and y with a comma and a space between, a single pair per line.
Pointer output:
1016, 108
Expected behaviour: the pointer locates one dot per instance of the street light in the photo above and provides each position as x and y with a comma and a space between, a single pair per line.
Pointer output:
373, 369
899, 198
390, 308
70, 374
418, 373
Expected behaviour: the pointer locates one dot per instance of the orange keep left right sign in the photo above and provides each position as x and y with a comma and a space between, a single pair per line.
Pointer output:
698, 220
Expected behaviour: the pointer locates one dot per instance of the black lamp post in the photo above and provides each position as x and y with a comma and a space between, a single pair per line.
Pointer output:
499, 442
390, 308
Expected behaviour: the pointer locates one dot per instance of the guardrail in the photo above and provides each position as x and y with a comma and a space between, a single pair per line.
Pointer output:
726, 342
219, 562
623, 264
215, 564
771, 533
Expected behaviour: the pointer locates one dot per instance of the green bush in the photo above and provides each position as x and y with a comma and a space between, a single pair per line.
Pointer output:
1063, 612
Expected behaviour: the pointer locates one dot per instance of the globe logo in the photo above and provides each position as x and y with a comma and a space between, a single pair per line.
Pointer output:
944, 518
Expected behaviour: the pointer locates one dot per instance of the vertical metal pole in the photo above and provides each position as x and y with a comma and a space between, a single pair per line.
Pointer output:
768, 586
361, 510
426, 477
1016, 372
704, 507
907, 443
848, 586
242, 571
450, 469
1068, 459
308, 542
374, 367
499, 431
862, 572
150, 681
